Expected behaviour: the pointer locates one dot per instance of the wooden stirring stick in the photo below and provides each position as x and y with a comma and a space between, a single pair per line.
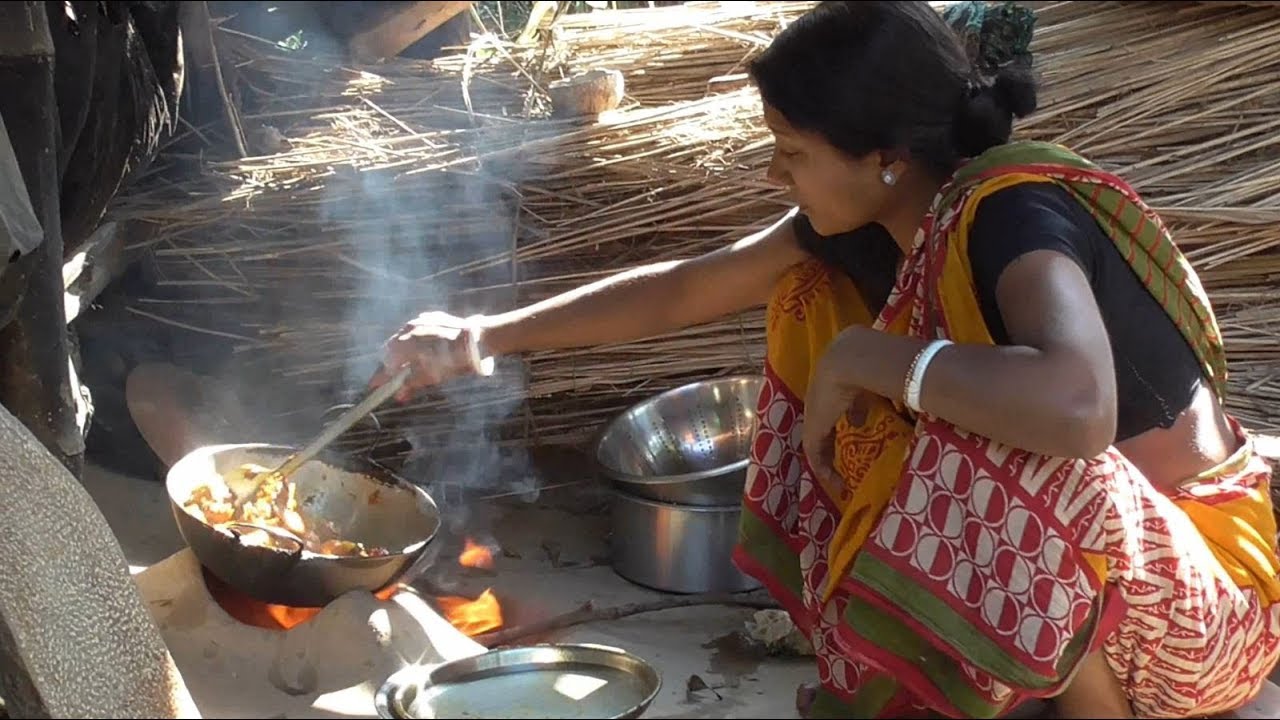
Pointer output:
331, 432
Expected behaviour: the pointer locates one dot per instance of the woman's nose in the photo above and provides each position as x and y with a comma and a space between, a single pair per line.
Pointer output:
776, 175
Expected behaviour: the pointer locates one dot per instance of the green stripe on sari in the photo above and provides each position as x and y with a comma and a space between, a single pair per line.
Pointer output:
930, 611
760, 542
876, 693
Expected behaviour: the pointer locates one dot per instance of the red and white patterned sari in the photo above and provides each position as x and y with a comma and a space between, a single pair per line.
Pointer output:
948, 573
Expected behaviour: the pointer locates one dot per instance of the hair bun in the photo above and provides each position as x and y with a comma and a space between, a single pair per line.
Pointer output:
985, 116
1015, 90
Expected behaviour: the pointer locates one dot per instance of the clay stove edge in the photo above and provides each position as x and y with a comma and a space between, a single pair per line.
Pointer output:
328, 667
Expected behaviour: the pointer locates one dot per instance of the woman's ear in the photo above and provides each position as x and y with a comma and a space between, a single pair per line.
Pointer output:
891, 165
890, 173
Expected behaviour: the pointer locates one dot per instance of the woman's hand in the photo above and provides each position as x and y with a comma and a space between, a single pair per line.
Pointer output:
1052, 391
828, 398
438, 347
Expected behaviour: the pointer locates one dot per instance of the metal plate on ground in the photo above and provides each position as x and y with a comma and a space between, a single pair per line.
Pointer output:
540, 681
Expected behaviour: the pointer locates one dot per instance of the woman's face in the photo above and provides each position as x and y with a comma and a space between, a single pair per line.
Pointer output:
836, 192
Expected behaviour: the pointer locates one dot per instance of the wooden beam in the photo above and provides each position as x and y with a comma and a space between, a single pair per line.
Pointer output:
390, 34
35, 379
24, 31
88, 272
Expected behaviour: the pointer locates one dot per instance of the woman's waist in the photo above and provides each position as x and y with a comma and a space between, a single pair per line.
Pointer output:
1202, 445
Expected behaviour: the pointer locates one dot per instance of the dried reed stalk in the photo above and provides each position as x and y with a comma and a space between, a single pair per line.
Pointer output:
415, 185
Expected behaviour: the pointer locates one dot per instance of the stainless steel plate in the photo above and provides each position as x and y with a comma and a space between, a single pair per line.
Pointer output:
540, 681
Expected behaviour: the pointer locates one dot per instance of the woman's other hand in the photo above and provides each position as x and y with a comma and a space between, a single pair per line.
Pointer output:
827, 399
438, 347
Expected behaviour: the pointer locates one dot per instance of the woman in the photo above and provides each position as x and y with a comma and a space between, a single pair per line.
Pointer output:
994, 463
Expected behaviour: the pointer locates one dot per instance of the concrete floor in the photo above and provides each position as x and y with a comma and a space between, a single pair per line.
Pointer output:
553, 558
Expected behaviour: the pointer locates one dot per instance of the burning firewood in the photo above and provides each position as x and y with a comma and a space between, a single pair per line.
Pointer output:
588, 612
476, 556
472, 617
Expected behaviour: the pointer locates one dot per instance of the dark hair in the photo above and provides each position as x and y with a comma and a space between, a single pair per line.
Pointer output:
895, 77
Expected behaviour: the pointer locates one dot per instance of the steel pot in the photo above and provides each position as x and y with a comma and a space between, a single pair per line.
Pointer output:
689, 445
364, 501
676, 548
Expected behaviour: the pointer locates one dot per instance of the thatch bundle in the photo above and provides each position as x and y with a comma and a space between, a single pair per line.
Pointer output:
414, 186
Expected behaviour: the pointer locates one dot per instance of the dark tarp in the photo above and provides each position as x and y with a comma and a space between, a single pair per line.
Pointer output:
118, 76
117, 73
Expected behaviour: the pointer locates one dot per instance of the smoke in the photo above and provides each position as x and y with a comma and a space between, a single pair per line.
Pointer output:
407, 238
385, 245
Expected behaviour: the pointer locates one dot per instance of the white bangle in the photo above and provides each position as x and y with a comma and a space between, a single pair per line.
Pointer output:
915, 376
482, 365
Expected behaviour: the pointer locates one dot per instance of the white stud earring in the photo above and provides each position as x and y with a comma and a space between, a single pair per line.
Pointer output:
888, 177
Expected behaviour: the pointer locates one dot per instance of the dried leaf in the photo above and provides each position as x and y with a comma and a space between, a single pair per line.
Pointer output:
696, 684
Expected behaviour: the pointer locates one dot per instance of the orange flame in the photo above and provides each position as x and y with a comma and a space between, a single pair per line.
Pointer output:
472, 617
268, 615
283, 616
476, 556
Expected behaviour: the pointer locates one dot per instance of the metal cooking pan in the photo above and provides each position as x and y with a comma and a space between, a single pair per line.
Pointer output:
364, 501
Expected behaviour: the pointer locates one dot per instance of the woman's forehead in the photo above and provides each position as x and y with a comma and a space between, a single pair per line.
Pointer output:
778, 123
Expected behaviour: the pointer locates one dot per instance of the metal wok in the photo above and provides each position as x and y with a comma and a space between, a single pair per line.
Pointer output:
365, 502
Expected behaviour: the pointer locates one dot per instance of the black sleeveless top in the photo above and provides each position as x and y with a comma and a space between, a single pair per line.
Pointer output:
1157, 373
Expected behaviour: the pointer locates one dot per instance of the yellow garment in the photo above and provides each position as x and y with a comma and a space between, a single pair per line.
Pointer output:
814, 304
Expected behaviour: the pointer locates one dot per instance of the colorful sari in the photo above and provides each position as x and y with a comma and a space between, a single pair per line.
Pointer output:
948, 573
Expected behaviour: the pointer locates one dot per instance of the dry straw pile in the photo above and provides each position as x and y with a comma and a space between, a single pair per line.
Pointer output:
373, 193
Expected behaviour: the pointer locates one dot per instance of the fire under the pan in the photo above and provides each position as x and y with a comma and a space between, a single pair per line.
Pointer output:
269, 616
470, 616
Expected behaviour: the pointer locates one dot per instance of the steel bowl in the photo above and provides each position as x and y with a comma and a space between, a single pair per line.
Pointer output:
365, 503
689, 445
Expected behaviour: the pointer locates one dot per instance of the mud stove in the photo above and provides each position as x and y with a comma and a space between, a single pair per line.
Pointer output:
241, 657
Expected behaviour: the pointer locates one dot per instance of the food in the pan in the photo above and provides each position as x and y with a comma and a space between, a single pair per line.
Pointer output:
275, 504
